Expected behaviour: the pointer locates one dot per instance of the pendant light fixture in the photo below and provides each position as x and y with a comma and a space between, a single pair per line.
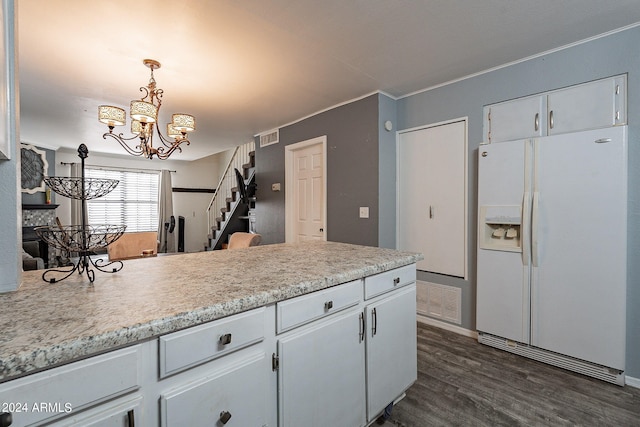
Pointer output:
144, 117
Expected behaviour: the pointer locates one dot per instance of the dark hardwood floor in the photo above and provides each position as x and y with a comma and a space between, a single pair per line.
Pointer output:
464, 383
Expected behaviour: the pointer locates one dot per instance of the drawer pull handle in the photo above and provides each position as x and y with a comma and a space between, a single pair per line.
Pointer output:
131, 418
328, 305
225, 416
225, 339
396, 281
6, 419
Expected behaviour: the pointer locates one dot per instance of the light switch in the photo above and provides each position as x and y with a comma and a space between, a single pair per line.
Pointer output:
275, 186
364, 212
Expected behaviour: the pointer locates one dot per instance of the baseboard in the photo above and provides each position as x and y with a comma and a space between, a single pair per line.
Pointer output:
632, 382
448, 326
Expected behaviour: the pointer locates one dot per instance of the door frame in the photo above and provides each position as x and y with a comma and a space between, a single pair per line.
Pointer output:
289, 196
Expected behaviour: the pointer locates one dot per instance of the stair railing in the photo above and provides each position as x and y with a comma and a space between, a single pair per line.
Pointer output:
227, 182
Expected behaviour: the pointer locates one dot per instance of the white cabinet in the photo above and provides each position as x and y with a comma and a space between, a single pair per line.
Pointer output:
218, 373
391, 348
234, 396
321, 378
519, 118
592, 105
67, 390
347, 367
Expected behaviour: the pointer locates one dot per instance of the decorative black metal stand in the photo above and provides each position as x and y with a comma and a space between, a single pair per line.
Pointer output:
83, 239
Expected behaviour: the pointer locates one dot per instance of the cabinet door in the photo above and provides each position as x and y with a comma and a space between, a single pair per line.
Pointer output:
517, 119
321, 379
391, 348
239, 391
587, 106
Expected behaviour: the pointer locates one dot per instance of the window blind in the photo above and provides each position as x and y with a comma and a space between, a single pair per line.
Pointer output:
134, 201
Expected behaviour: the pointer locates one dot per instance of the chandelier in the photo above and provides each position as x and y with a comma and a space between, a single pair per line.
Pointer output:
144, 117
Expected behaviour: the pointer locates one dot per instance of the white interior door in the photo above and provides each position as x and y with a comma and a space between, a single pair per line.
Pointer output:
432, 196
306, 191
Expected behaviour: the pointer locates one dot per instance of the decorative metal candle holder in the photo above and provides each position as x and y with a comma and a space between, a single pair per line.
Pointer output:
83, 239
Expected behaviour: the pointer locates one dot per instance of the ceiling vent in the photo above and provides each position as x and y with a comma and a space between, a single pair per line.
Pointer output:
271, 137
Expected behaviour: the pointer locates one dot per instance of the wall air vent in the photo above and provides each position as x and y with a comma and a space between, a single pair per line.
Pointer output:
268, 138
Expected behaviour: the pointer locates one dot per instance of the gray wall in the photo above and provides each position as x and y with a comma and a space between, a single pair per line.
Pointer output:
608, 56
387, 175
352, 173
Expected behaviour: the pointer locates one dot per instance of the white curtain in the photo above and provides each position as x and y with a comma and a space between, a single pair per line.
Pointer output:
165, 212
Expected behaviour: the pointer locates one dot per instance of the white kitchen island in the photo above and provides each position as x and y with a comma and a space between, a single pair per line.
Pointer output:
271, 335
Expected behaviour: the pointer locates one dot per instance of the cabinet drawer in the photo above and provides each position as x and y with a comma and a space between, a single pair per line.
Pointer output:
120, 413
389, 280
235, 396
68, 389
196, 345
304, 309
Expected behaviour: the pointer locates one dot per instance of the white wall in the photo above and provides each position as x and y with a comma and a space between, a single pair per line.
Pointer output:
202, 173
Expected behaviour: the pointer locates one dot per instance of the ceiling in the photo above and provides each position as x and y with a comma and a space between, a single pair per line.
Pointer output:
243, 67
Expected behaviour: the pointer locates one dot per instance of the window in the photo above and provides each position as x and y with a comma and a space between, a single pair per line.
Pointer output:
134, 201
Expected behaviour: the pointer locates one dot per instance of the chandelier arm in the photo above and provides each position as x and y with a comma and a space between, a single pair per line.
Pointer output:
146, 90
167, 142
163, 155
124, 145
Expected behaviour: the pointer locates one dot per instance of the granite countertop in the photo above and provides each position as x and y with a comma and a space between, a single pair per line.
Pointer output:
44, 325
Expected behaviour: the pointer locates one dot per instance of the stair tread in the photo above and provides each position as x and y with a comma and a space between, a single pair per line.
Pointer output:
225, 220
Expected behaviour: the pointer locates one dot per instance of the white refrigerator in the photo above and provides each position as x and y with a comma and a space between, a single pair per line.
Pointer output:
552, 249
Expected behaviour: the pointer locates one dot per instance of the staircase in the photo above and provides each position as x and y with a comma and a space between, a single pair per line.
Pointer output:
227, 213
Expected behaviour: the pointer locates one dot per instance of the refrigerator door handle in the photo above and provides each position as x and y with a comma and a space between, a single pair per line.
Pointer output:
525, 234
534, 230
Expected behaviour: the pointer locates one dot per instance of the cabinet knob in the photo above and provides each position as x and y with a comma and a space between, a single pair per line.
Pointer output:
6, 419
225, 339
225, 416
328, 305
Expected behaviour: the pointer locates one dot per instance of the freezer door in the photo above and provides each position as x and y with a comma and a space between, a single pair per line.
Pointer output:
579, 245
502, 272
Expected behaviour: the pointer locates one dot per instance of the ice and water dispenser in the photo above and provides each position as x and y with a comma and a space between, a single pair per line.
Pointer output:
500, 228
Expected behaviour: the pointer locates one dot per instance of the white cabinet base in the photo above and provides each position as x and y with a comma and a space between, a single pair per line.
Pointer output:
391, 348
322, 374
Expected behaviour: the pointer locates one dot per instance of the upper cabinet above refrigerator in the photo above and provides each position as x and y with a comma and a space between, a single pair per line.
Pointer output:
592, 105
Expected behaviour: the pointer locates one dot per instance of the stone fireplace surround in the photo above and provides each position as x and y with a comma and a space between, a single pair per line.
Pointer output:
38, 215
